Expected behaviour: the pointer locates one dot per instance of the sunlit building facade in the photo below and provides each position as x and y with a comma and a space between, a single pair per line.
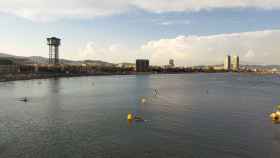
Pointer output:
235, 63
227, 63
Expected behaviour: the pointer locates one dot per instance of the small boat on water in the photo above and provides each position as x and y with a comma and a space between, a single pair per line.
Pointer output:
136, 118
24, 99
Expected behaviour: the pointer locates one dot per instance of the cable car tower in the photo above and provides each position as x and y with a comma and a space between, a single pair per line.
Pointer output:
54, 44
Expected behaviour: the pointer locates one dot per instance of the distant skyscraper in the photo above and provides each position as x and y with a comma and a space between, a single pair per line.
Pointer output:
142, 65
171, 63
235, 63
227, 63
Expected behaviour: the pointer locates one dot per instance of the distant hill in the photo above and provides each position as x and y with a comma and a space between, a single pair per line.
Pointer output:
3, 55
97, 63
17, 59
262, 66
43, 60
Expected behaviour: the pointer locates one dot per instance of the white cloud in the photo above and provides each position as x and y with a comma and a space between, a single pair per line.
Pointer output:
250, 54
175, 22
166, 23
116, 53
45, 10
48, 10
260, 47
196, 5
252, 47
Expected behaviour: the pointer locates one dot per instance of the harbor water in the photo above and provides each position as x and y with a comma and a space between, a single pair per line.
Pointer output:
186, 115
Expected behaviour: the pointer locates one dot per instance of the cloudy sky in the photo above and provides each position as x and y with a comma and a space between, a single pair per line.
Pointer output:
193, 32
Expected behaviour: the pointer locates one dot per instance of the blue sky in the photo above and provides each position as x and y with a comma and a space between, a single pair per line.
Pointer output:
126, 33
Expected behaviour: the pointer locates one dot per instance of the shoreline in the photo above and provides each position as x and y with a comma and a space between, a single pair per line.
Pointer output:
24, 77
34, 76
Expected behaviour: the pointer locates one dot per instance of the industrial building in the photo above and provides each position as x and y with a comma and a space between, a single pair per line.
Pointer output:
235, 63
54, 44
142, 65
227, 63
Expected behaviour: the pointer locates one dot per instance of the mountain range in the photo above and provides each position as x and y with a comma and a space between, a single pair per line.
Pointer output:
43, 60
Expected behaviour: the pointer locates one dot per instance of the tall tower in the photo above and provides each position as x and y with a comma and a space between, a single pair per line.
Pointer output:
227, 63
235, 63
54, 44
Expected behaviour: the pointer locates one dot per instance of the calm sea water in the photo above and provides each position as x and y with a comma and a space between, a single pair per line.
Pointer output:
192, 115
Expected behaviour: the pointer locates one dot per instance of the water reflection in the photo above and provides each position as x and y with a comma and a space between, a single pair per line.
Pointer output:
275, 141
55, 85
142, 92
129, 122
54, 99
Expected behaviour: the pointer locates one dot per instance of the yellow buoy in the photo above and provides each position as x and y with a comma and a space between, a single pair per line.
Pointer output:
275, 116
129, 116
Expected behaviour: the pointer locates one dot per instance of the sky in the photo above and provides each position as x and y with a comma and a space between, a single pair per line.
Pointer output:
192, 32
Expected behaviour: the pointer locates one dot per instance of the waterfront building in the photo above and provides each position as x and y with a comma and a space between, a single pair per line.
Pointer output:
218, 68
126, 65
227, 63
235, 63
171, 63
142, 65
